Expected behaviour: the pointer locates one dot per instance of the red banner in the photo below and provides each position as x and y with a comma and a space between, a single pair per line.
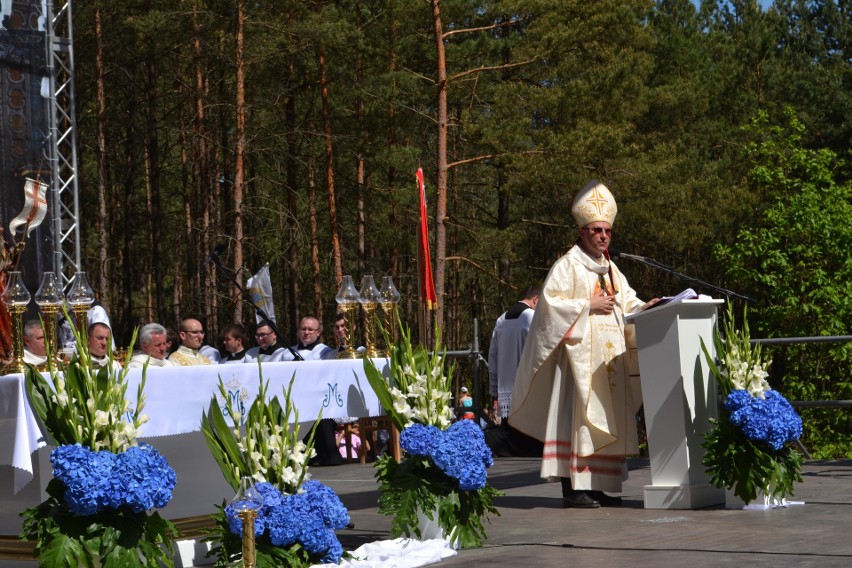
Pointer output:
424, 257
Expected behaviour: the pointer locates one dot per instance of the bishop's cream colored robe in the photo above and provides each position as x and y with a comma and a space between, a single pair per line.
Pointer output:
574, 389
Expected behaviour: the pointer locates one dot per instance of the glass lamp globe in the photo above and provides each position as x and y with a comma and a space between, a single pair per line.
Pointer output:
389, 293
15, 293
50, 292
248, 498
369, 292
80, 294
347, 294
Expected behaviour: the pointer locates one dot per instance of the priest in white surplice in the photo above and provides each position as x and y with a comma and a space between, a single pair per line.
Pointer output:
572, 390
507, 344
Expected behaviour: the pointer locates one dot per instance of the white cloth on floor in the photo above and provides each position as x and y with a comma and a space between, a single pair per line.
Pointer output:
398, 553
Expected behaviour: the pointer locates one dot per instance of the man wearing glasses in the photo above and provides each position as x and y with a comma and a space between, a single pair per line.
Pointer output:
191, 335
268, 348
310, 347
572, 389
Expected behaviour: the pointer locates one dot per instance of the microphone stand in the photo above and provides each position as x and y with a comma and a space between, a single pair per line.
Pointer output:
247, 299
664, 268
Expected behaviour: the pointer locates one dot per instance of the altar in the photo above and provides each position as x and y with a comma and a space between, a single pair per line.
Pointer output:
174, 400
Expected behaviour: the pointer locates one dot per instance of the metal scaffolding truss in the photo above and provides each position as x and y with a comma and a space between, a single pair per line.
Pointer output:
62, 139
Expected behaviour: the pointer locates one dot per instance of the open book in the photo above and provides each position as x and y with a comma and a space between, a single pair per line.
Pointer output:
688, 294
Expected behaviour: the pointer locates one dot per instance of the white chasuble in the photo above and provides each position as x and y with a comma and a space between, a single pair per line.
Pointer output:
573, 389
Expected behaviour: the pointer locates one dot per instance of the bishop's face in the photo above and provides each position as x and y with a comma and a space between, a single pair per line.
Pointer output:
595, 238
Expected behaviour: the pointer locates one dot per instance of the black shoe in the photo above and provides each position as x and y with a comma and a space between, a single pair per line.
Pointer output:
605, 500
579, 500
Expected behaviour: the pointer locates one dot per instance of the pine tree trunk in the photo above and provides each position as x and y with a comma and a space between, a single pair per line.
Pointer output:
239, 158
101, 155
315, 263
329, 164
441, 163
292, 206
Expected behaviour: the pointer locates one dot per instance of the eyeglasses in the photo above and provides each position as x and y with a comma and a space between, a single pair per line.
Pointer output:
308, 329
599, 230
262, 335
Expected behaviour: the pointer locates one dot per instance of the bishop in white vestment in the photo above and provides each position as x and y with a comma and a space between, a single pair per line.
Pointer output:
573, 389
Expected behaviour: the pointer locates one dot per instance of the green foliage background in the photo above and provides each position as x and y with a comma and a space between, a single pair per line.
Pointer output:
723, 130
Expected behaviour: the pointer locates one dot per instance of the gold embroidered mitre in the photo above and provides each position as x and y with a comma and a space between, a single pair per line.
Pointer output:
594, 203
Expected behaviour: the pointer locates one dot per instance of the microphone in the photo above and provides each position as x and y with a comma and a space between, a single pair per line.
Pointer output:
618, 254
214, 256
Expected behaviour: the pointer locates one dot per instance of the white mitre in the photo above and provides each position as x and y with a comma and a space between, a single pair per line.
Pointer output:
594, 203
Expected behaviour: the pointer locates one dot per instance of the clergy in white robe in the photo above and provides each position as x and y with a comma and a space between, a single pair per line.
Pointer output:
573, 389
507, 344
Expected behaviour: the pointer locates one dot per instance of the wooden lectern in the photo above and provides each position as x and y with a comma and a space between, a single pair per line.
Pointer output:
679, 397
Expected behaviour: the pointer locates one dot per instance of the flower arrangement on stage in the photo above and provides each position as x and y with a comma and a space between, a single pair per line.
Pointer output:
105, 482
750, 448
295, 524
443, 474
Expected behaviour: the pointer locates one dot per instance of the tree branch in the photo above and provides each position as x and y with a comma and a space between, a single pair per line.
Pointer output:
490, 68
483, 28
489, 157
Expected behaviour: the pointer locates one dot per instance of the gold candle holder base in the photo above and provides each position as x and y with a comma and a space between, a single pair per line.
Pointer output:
16, 364
373, 353
249, 557
349, 353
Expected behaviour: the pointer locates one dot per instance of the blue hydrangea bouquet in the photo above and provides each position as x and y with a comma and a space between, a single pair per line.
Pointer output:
749, 450
443, 475
106, 484
295, 525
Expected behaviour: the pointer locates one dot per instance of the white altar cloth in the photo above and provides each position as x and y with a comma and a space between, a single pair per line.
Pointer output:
175, 397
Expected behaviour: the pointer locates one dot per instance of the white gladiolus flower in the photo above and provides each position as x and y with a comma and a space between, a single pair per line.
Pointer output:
144, 419
289, 476
62, 398
130, 431
60, 383
101, 418
90, 405
259, 477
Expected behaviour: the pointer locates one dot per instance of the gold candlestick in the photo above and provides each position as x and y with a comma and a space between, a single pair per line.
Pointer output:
53, 361
347, 298
347, 342
80, 297
389, 302
247, 502
16, 363
49, 297
16, 297
369, 299
247, 517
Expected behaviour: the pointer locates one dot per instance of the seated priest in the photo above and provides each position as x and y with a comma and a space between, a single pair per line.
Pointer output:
341, 328
268, 349
233, 344
191, 336
34, 349
310, 346
100, 336
152, 348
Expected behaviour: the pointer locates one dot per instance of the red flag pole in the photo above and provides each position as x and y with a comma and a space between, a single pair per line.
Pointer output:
425, 282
